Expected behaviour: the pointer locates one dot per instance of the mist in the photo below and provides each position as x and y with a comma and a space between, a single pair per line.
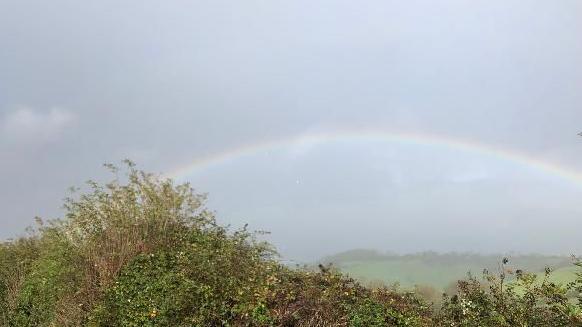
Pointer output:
169, 84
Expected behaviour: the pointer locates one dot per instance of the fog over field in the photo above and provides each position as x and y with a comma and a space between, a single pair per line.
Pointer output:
399, 126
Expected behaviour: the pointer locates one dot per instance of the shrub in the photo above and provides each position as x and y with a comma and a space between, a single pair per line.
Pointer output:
494, 302
79, 257
210, 280
16, 259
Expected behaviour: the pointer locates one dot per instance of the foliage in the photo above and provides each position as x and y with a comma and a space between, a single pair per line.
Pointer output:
142, 251
16, 260
210, 279
79, 257
578, 284
494, 302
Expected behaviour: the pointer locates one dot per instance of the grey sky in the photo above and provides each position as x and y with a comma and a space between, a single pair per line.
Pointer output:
166, 82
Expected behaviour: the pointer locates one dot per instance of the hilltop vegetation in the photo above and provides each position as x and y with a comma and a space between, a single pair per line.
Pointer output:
143, 251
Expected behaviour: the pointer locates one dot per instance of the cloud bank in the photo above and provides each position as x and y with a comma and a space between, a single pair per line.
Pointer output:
35, 126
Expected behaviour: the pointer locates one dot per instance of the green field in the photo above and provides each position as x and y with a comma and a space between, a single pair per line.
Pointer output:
561, 275
440, 270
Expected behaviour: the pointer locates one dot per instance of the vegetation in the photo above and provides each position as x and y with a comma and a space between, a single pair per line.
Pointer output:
143, 251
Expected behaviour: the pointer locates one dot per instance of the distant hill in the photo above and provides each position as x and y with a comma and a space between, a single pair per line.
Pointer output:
438, 270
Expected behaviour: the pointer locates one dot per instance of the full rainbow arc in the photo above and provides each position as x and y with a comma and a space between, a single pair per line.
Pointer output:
322, 138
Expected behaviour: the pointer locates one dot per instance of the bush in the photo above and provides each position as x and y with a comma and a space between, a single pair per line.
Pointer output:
16, 259
209, 280
79, 257
51, 285
525, 302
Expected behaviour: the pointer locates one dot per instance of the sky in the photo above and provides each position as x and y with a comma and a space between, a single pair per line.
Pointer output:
172, 83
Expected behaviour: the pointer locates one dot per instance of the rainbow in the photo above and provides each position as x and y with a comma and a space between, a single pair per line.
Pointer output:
321, 138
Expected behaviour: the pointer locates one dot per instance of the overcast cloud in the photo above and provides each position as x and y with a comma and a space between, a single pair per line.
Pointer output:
167, 82
27, 125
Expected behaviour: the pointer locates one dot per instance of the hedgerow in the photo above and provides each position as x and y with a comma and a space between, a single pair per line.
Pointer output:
143, 251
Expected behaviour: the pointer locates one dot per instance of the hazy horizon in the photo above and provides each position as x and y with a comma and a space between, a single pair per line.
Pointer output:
387, 125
